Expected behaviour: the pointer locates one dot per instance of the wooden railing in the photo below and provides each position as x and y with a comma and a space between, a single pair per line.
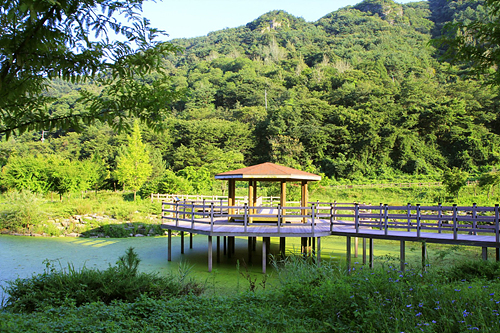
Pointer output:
452, 220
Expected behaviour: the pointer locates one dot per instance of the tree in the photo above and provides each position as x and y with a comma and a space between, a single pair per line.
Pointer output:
453, 180
476, 41
68, 39
489, 180
133, 168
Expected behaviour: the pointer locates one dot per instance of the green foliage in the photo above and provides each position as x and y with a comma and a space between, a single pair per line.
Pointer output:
73, 287
453, 180
472, 38
40, 40
133, 168
473, 270
307, 297
359, 94
489, 180
21, 210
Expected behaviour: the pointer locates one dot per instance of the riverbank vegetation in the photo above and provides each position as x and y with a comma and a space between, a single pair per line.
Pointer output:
304, 297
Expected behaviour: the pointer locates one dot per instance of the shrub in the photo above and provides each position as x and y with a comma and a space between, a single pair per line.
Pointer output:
21, 210
74, 287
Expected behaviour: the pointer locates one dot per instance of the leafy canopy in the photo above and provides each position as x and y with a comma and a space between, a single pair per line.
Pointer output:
72, 39
476, 41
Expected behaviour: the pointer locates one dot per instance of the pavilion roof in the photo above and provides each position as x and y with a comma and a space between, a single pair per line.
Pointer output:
268, 172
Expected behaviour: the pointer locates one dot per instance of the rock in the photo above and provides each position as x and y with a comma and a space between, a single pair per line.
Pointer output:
65, 223
139, 235
73, 234
36, 235
90, 218
60, 228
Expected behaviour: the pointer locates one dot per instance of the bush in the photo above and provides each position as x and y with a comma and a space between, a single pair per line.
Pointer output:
76, 287
20, 210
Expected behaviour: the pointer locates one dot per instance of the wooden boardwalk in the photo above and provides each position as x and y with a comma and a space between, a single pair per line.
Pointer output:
471, 226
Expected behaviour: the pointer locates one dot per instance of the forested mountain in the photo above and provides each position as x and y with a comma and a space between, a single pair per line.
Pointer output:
359, 93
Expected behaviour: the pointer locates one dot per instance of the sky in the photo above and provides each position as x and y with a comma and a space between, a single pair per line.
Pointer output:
194, 18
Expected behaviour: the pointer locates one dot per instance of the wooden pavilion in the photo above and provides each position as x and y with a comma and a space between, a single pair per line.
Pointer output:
255, 222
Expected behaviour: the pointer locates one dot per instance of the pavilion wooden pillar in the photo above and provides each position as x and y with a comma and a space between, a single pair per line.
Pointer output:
283, 199
231, 199
254, 194
304, 198
251, 198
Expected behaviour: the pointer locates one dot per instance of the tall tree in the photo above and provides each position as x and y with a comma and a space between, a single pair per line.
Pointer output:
133, 168
476, 40
70, 39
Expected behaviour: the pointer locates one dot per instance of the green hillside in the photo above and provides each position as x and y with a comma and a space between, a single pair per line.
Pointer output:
359, 93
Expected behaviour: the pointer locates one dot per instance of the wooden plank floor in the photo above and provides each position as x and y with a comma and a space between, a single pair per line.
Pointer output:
321, 229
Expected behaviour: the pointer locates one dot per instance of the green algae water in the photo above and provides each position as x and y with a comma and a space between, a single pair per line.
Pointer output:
21, 257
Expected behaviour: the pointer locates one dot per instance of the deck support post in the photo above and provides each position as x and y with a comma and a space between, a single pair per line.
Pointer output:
169, 245
485, 253
313, 246
402, 255
250, 243
224, 244
218, 249
282, 247
229, 252
182, 242
233, 247
370, 260
348, 254
303, 245
318, 251
264, 254
210, 253
364, 251
190, 240
356, 243
424, 255
254, 244
497, 252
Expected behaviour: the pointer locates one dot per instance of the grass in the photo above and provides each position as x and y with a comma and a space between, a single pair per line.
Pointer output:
305, 298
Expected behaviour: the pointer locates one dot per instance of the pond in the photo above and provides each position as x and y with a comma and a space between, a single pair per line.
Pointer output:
24, 256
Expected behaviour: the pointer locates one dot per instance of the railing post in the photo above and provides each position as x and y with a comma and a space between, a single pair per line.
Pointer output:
212, 217
356, 217
176, 213
408, 216
381, 216
440, 215
312, 218
418, 220
474, 219
279, 218
497, 225
331, 217
386, 219
203, 208
192, 215
245, 216
455, 222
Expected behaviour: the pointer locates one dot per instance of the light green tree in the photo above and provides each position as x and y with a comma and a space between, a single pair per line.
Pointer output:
134, 168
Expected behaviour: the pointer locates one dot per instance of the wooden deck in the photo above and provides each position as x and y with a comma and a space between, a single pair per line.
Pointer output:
471, 226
